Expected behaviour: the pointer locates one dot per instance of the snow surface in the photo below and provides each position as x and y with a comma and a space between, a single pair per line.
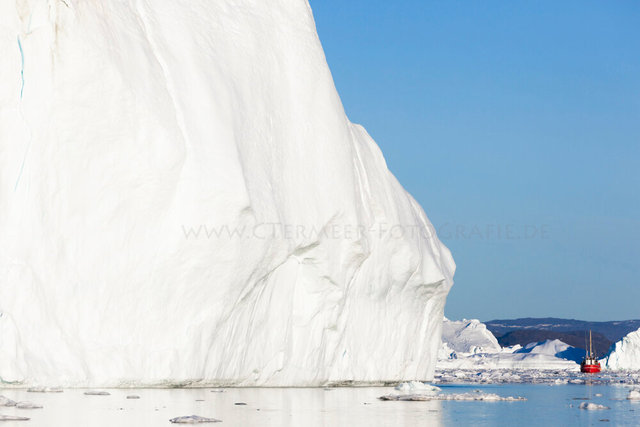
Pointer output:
555, 348
183, 200
624, 354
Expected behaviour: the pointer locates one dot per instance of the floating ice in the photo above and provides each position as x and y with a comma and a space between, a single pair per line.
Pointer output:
634, 395
451, 396
44, 390
13, 418
97, 393
417, 386
28, 405
5, 401
133, 396
193, 419
592, 406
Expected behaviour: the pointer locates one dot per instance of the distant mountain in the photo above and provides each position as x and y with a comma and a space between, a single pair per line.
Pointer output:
613, 330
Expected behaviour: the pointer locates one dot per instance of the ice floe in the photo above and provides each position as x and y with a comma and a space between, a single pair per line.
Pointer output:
492, 397
44, 390
417, 386
634, 395
5, 401
193, 419
590, 406
13, 418
28, 405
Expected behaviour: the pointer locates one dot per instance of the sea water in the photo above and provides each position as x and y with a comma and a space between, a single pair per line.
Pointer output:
546, 405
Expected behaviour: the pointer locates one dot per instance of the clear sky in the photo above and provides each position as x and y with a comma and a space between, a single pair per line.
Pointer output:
516, 125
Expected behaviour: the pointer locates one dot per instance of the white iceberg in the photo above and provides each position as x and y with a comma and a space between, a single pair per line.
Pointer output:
624, 354
634, 394
468, 336
183, 200
468, 344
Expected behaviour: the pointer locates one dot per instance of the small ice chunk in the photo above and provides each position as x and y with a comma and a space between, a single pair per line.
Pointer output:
451, 396
5, 401
634, 395
133, 396
13, 418
97, 393
28, 405
44, 390
417, 386
592, 406
598, 395
193, 419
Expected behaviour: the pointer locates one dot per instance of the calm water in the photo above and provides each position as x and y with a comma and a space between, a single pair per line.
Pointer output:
546, 405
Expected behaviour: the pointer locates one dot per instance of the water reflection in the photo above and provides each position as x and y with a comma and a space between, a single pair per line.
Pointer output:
306, 407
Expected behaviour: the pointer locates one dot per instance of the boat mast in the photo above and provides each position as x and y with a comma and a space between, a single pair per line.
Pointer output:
590, 347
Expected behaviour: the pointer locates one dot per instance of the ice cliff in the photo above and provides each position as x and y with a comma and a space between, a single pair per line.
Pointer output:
624, 354
182, 199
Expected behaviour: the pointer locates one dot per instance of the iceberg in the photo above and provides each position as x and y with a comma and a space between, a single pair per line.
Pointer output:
555, 348
624, 354
183, 200
468, 336
468, 344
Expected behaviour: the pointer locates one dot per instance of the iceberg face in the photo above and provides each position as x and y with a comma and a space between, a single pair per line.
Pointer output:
624, 354
468, 336
183, 199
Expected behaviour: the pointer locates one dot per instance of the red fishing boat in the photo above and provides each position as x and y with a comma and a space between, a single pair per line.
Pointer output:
590, 364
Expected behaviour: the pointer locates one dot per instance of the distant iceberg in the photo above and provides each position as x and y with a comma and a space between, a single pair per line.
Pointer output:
624, 354
468, 344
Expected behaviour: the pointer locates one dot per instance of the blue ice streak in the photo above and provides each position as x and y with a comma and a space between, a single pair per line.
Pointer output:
21, 66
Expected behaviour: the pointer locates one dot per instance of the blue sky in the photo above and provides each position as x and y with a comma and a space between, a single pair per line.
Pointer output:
516, 125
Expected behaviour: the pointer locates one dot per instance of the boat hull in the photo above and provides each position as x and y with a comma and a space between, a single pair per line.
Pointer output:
590, 369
